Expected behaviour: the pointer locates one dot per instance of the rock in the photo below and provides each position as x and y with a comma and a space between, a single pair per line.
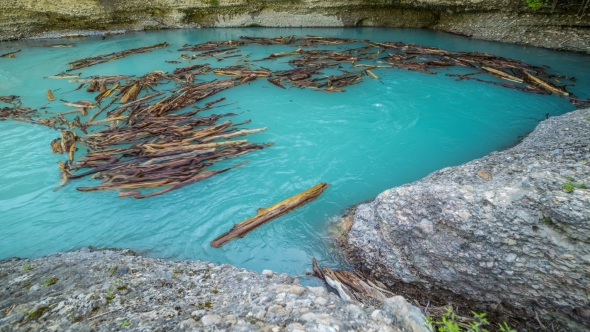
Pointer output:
267, 273
502, 240
187, 324
484, 175
297, 290
227, 299
208, 320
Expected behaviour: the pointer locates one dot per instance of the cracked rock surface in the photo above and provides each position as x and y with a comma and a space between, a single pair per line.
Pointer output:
110, 290
511, 228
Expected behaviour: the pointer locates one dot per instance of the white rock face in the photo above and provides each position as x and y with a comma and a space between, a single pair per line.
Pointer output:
517, 236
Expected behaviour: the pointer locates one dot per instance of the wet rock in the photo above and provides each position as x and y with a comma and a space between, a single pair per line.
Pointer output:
494, 239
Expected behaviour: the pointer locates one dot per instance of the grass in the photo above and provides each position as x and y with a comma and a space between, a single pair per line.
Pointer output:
571, 184
449, 323
50, 280
27, 267
35, 314
207, 304
110, 294
125, 323
547, 221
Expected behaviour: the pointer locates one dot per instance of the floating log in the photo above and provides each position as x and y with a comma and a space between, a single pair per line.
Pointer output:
10, 55
59, 45
537, 81
9, 99
502, 74
87, 62
49, 95
265, 215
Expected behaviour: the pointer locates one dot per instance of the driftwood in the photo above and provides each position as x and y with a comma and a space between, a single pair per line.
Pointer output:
267, 214
352, 287
49, 95
10, 55
140, 139
87, 62
523, 77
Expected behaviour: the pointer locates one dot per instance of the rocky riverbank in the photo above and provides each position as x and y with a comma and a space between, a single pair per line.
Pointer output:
561, 27
88, 290
510, 230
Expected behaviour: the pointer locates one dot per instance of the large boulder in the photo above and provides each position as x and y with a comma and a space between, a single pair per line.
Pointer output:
511, 228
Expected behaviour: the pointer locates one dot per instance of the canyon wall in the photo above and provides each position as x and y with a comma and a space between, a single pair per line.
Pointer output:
498, 20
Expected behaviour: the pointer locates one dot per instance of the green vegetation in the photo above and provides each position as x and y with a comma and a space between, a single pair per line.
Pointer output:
50, 280
27, 267
568, 188
110, 294
570, 184
449, 323
125, 323
547, 221
205, 305
536, 4
176, 273
35, 314
215, 291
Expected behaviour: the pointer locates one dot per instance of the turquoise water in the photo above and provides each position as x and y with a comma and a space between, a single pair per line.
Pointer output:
377, 135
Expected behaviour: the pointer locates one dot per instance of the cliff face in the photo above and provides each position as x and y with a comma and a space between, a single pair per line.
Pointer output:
500, 20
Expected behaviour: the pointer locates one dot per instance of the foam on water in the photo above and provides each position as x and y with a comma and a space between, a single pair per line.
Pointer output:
377, 135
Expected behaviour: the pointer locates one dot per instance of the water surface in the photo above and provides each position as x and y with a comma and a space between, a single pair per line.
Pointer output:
377, 135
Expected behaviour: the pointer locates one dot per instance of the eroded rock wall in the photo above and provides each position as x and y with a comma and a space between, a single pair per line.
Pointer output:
512, 228
499, 20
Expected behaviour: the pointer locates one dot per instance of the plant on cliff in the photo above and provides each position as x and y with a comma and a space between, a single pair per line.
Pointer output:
536, 4
449, 322
571, 183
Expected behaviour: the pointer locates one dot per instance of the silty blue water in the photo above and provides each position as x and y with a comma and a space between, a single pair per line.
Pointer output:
379, 134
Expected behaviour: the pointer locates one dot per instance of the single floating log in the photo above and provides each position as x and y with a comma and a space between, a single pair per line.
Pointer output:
10, 55
265, 215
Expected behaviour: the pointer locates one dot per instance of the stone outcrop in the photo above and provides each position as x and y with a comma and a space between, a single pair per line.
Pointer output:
511, 228
499, 20
111, 290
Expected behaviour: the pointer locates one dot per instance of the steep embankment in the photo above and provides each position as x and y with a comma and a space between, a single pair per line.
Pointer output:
511, 229
500, 20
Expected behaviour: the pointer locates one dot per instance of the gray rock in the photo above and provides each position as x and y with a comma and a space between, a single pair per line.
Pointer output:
516, 238
208, 320
146, 299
